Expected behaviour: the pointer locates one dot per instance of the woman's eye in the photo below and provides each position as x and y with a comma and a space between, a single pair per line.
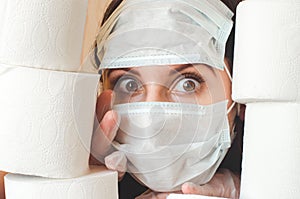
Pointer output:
186, 85
128, 85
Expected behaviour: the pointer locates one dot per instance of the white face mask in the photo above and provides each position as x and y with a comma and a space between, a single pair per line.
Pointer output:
176, 32
167, 144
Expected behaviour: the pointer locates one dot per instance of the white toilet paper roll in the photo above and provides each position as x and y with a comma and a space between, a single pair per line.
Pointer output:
270, 167
42, 34
267, 55
191, 196
46, 121
99, 183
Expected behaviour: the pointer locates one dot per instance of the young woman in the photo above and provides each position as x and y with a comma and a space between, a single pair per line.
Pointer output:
166, 114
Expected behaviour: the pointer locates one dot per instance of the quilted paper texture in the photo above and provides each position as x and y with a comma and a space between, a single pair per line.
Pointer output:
271, 151
98, 183
46, 121
42, 34
267, 55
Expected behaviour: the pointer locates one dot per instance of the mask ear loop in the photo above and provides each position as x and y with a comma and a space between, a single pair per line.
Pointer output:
228, 73
233, 132
231, 107
234, 103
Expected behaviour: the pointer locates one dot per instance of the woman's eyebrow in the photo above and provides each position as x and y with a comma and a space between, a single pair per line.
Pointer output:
122, 69
176, 70
181, 67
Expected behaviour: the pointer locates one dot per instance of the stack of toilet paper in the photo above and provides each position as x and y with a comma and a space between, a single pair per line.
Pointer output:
99, 183
47, 103
267, 79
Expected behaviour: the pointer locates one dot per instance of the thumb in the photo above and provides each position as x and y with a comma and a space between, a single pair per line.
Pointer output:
103, 103
224, 184
207, 189
104, 135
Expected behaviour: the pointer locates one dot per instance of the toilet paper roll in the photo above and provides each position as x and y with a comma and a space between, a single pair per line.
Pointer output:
43, 34
99, 183
46, 121
191, 196
267, 55
270, 166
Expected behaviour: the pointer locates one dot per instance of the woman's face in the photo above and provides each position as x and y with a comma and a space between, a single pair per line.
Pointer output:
187, 83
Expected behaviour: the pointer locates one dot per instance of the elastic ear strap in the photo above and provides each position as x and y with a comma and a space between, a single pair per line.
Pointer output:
238, 109
228, 73
233, 133
231, 107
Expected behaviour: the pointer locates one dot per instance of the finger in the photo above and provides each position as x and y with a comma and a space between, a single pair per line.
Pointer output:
207, 190
104, 135
103, 103
109, 125
153, 195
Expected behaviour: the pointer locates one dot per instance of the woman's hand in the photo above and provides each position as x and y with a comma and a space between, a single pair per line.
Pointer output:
105, 130
154, 195
224, 184
105, 126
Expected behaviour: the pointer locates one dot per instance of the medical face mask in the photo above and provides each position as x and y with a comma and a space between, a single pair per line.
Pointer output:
155, 32
167, 144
